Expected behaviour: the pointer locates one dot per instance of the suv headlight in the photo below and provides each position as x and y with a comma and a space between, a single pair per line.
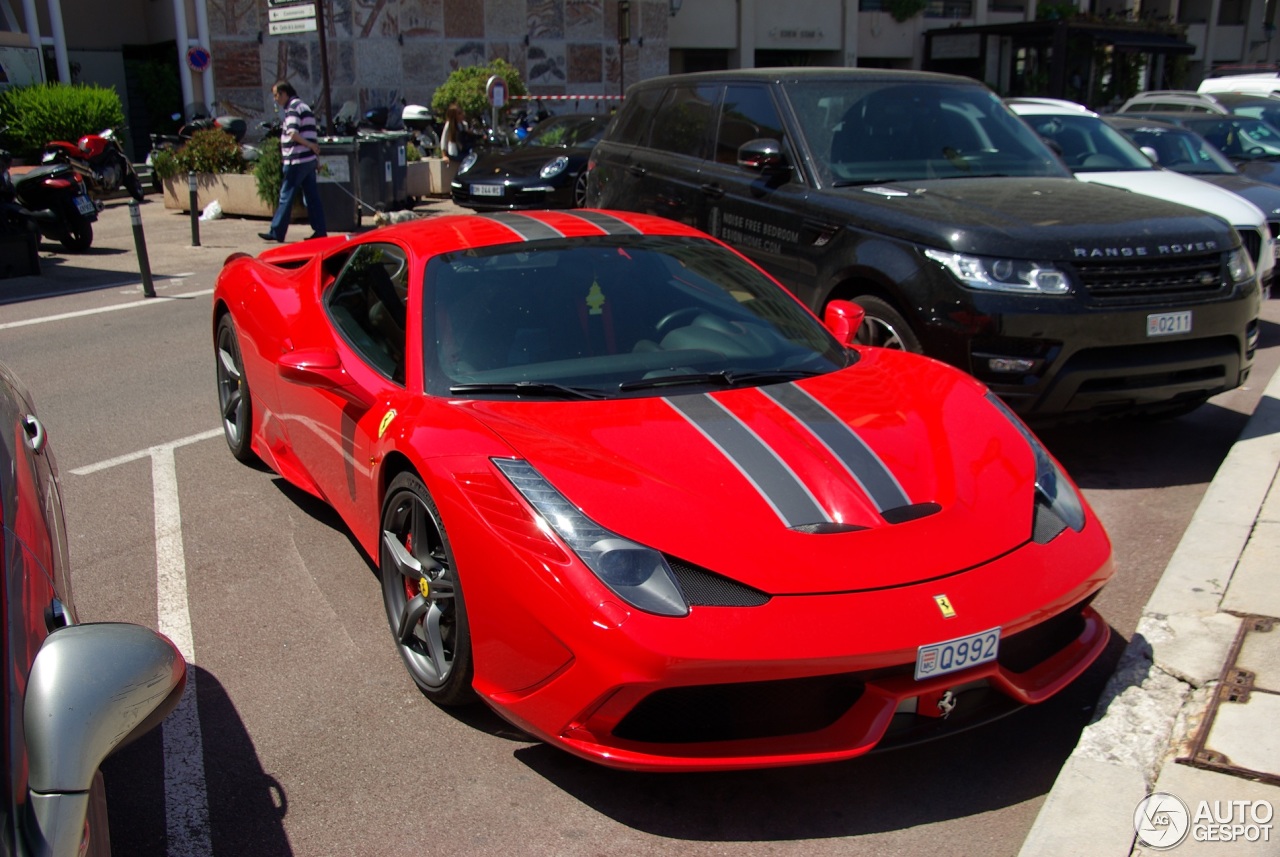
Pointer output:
554, 167
1058, 504
1003, 275
636, 574
1240, 266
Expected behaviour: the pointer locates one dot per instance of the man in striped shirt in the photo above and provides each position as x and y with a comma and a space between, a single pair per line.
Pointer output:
298, 151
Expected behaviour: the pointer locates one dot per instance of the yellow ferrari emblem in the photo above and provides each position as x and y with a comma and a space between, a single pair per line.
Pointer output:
944, 604
386, 421
595, 299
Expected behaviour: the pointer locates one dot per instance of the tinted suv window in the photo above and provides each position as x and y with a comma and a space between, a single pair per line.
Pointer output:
681, 123
748, 114
637, 117
863, 131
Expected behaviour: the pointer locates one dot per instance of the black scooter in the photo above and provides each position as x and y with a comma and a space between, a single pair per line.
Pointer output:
53, 198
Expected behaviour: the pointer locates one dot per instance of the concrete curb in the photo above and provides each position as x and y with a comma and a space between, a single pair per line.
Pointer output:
1180, 646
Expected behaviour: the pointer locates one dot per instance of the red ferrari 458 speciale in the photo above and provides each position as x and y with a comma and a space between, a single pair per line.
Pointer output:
629, 492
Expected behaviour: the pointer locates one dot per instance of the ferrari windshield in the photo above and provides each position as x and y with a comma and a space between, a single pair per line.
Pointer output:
612, 316
865, 131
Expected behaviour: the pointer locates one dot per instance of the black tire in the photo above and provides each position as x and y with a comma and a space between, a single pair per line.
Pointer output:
132, 185
885, 327
234, 401
422, 595
79, 235
580, 190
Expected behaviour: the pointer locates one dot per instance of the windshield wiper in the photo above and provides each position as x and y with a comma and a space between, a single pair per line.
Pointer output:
723, 378
528, 388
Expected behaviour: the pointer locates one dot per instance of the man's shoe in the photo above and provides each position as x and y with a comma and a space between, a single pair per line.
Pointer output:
267, 236
317, 235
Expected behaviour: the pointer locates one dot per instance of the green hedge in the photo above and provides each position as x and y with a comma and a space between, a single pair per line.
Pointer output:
34, 115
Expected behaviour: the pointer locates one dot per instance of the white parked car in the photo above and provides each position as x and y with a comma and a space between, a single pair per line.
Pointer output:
1096, 152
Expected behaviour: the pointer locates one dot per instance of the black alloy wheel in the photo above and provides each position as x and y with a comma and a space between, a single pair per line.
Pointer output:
422, 596
885, 327
234, 401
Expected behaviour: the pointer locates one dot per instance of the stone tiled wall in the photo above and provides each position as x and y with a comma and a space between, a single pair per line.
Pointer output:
380, 50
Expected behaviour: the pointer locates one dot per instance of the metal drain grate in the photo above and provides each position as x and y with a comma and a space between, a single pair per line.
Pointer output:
1243, 693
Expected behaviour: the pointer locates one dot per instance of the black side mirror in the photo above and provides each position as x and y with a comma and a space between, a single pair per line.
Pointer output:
762, 154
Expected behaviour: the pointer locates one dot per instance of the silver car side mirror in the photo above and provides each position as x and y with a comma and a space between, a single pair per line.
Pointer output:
92, 689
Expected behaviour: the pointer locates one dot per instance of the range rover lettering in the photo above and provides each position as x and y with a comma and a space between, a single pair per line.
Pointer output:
960, 232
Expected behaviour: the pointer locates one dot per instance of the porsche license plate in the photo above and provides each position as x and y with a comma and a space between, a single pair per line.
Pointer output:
958, 654
84, 205
1168, 323
486, 189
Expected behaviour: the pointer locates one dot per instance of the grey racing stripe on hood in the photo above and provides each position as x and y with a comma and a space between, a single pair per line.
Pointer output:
863, 465
776, 482
607, 222
526, 227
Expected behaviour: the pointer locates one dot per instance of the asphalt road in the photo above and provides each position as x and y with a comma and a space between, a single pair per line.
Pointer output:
308, 738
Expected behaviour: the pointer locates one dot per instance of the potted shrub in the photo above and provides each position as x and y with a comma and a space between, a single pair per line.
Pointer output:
221, 174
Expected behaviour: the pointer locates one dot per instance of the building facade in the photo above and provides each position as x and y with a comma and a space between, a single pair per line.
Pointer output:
227, 53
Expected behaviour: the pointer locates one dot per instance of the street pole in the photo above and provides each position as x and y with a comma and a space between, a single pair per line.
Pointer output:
325, 109
624, 39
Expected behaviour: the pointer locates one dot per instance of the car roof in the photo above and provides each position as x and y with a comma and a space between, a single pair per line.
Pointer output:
447, 233
1046, 106
1135, 120
789, 74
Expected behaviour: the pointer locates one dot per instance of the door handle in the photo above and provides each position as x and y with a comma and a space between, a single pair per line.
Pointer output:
713, 190
636, 170
821, 231
35, 431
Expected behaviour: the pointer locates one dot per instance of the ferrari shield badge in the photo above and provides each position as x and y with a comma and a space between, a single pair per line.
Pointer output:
944, 604
386, 421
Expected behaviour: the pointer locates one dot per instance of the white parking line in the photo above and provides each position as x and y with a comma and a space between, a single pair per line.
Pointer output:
80, 313
186, 800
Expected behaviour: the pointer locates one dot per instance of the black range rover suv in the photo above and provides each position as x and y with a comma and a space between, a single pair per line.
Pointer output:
922, 198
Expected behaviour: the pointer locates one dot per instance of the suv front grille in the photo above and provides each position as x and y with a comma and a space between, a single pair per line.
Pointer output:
1130, 280
1252, 241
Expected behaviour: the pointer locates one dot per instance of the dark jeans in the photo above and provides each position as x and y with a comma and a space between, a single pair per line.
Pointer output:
299, 177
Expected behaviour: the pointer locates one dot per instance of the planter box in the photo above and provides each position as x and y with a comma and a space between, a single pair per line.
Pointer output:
237, 194
429, 177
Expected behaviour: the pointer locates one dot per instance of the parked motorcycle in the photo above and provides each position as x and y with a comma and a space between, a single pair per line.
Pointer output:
99, 160
53, 199
16, 221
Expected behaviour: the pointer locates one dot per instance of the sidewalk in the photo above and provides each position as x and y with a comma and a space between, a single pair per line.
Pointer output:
174, 260
1193, 709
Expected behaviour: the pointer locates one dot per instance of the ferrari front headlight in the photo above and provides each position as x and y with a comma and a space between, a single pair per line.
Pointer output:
1058, 504
1003, 275
637, 574
554, 167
